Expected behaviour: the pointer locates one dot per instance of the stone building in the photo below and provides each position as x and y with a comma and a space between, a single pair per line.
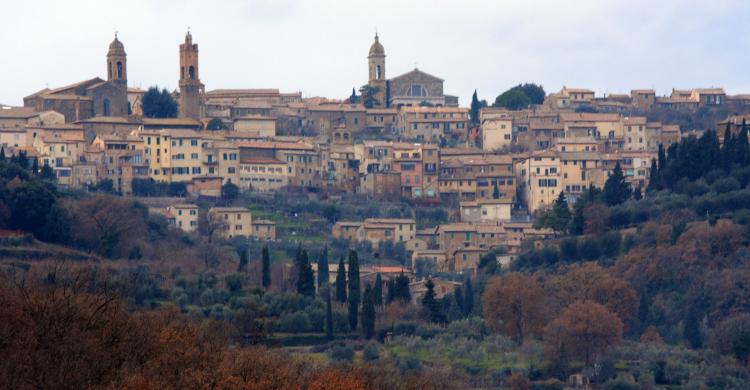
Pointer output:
191, 87
92, 97
409, 89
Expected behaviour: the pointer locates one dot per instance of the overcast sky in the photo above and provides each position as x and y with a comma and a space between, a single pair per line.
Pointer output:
320, 47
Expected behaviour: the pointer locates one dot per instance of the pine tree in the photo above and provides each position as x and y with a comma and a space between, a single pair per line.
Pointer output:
306, 278
377, 290
474, 110
616, 190
323, 274
266, 265
430, 303
243, 261
468, 298
341, 282
692, 329
354, 289
329, 315
368, 313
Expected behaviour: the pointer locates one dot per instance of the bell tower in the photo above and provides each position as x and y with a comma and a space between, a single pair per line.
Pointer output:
117, 69
376, 64
190, 85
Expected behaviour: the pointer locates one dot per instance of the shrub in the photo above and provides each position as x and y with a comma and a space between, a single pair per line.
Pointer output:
294, 322
725, 185
371, 352
341, 353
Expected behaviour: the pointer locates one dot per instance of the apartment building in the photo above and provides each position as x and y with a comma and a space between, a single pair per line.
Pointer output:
174, 155
230, 222
540, 177
375, 230
185, 216
431, 124
496, 128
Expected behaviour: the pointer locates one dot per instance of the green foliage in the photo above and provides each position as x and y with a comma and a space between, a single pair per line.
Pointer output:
306, 277
371, 353
341, 353
266, 268
323, 273
158, 104
430, 303
616, 190
377, 290
150, 187
692, 328
354, 289
215, 124
368, 96
468, 302
476, 106
229, 191
341, 282
512, 99
329, 315
368, 313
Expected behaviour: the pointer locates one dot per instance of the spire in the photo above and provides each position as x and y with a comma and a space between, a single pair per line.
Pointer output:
188, 37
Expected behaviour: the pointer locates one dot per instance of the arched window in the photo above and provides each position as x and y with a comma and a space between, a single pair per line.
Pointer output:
182, 72
106, 108
191, 73
417, 90
119, 70
378, 73
109, 71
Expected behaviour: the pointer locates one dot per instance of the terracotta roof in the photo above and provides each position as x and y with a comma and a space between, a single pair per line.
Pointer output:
636, 120
275, 145
17, 112
263, 222
171, 122
260, 161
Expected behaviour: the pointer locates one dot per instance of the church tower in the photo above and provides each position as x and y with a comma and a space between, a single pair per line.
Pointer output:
111, 99
190, 85
376, 79
117, 69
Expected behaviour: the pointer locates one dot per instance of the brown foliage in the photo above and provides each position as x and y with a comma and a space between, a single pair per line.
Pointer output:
518, 381
514, 304
584, 329
591, 282
595, 217
651, 336
331, 379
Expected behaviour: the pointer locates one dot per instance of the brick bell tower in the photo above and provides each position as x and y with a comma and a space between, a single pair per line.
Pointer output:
191, 88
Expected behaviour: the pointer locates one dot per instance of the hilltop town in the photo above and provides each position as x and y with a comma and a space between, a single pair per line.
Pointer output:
498, 228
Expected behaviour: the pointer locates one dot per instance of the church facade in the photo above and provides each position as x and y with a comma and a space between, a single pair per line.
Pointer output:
92, 97
410, 89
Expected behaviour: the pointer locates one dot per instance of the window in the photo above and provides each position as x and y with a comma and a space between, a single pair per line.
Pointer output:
193, 142
416, 90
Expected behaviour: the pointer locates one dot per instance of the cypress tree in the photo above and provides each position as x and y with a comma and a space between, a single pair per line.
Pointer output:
454, 311
743, 152
35, 166
2, 154
474, 108
377, 290
468, 298
431, 303
329, 315
266, 264
561, 213
306, 278
402, 288
341, 282
653, 177
368, 313
391, 293
354, 289
692, 329
616, 190
727, 149
243, 261
458, 296
323, 274
578, 221
496, 192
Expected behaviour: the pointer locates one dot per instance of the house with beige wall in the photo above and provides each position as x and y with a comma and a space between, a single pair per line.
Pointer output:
185, 216
229, 222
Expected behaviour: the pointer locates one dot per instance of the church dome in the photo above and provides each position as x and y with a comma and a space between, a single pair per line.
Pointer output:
116, 46
377, 48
